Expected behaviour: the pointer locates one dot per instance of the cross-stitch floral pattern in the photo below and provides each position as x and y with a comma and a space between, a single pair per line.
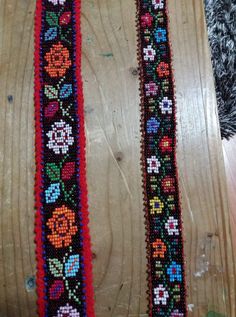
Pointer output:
161, 295
60, 137
163, 69
176, 313
156, 205
166, 105
151, 89
67, 311
175, 272
153, 125
166, 144
64, 277
55, 2
159, 249
58, 59
160, 35
149, 53
168, 184
62, 226
172, 226
158, 4
162, 208
153, 165
146, 19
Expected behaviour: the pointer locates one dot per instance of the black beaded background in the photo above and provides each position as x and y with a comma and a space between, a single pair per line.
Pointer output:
155, 224
49, 156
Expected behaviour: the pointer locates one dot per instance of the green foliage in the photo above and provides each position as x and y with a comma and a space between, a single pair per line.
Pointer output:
53, 171
52, 18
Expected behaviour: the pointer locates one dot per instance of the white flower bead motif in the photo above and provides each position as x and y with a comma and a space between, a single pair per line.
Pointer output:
56, 2
149, 53
176, 313
158, 4
166, 106
60, 137
67, 311
172, 226
161, 295
153, 165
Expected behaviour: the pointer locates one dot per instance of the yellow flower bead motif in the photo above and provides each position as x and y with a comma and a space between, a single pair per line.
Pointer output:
156, 206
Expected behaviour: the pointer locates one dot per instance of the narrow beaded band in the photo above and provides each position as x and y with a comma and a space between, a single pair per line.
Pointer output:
63, 251
64, 278
166, 280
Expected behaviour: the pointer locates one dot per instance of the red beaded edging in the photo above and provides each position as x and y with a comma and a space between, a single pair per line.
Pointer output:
86, 305
38, 160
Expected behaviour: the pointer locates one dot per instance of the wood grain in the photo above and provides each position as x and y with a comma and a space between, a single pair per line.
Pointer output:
208, 248
16, 158
112, 128
229, 150
113, 152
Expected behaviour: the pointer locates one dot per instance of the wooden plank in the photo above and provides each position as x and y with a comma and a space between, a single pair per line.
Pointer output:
16, 158
113, 152
115, 195
209, 250
229, 150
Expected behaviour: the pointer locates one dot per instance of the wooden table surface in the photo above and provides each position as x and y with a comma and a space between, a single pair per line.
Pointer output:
115, 194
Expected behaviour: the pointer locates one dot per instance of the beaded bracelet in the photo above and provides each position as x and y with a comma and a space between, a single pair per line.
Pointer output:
166, 280
63, 251
64, 278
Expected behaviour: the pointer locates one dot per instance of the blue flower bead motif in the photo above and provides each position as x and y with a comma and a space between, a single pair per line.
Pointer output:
160, 35
175, 272
153, 125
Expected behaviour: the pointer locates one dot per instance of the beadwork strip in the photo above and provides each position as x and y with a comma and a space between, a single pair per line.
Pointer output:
63, 251
166, 280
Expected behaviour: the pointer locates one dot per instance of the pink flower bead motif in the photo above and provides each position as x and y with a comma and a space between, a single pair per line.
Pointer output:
151, 89
168, 185
67, 311
149, 53
146, 20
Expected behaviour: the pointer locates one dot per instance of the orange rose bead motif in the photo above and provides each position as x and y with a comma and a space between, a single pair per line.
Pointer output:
58, 59
62, 226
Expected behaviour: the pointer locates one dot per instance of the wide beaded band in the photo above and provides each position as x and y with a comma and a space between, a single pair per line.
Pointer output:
166, 280
64, 273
